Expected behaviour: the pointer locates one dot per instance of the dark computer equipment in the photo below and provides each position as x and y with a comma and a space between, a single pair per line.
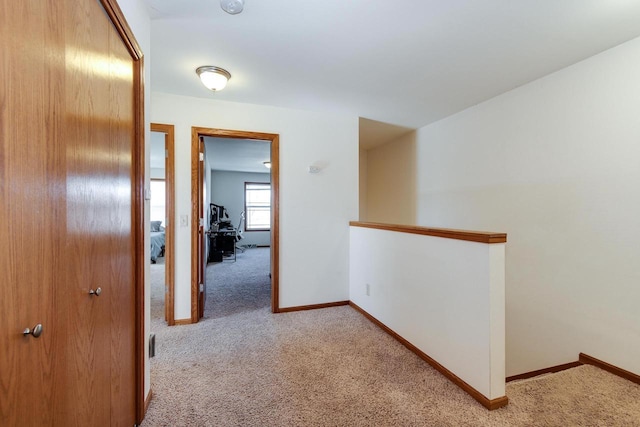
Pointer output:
218, 216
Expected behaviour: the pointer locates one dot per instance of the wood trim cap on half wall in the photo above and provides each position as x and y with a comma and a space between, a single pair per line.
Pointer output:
471, 236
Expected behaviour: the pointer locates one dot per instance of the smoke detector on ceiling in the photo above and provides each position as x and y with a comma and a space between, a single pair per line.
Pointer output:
232, 7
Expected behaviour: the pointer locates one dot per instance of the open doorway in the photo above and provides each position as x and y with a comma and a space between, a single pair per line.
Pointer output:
162, 216
238, 178
246, 218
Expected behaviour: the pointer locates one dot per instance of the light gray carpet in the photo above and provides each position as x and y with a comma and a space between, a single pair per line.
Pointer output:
156, 274
243, 366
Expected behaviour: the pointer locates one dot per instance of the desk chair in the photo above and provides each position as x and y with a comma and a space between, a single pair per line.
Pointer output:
239, 231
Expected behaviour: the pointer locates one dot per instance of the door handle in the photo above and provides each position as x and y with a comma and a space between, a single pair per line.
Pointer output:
97, 292
36, 331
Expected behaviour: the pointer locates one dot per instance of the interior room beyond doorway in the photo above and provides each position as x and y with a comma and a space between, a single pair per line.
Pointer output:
237, 201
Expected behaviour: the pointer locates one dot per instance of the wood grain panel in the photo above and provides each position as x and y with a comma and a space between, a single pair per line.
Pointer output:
171, 226
117, 18
31, 187
202, 259
121, 241
195, 267
138, 232
275, 221
472, 236
169, 272
67, 127
82, 380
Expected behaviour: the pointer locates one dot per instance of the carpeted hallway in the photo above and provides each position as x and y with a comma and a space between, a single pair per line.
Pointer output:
243, 366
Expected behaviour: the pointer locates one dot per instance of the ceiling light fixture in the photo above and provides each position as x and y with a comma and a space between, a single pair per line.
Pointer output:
267, 164
214, 78
232, 7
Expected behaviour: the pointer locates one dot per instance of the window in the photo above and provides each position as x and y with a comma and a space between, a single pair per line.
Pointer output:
157, 201
257, 206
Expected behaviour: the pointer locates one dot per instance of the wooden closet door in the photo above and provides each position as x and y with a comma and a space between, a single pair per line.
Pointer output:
32, 208
97, 377
120, 246
67, 129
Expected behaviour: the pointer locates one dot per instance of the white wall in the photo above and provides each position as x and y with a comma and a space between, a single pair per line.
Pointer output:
227, 189
391, 181
555, 164
314, 208
157, 173
137, 16
444, 296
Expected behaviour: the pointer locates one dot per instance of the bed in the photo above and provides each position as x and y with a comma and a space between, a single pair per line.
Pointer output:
157, 241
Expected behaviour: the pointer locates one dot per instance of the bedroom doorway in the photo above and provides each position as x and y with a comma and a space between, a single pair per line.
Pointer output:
199, 260
163, 178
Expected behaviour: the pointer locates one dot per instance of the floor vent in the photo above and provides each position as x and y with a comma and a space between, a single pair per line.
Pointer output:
152, 345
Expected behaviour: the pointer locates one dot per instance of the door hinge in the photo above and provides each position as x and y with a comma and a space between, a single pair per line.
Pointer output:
166, 154
201, 287
201, 222
202, 157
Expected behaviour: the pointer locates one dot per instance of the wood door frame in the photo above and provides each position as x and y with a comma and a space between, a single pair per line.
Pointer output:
138, 188
274, 139
169, 245
202, 257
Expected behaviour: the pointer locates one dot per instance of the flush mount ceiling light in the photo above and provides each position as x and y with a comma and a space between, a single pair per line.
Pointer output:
267, 164
232, 7
214, 78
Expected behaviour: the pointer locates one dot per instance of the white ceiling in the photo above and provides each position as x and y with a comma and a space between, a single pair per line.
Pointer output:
404, 63
238, 155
